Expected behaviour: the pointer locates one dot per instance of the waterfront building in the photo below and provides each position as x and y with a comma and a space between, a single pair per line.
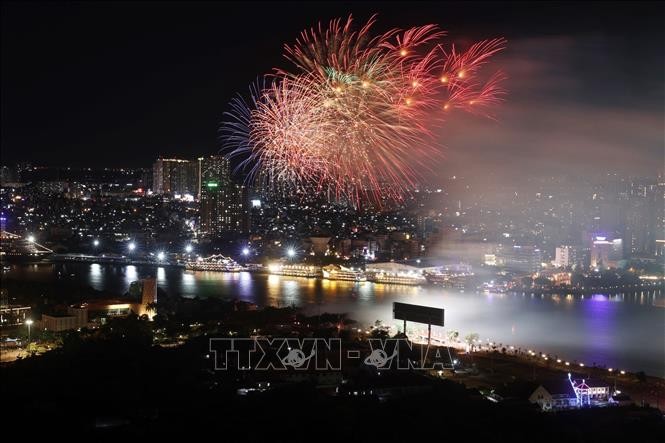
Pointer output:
520, 258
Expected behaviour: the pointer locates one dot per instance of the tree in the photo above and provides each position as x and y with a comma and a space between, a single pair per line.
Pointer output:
379, 333
151, 307
470, 339
452, 335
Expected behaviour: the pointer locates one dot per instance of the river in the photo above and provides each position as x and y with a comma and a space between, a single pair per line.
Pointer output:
623, 331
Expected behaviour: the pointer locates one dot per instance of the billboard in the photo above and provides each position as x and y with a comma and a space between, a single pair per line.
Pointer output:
418, 314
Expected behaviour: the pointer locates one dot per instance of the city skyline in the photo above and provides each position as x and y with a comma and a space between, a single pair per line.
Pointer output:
573, 90
348, 221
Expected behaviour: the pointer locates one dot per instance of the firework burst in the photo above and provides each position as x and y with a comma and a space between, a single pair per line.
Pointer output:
356, 116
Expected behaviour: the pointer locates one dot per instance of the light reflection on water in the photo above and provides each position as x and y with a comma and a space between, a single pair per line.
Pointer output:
621, 330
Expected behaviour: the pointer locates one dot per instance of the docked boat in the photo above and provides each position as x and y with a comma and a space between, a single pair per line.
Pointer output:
307, 271
447, 279
411, 279
333, 272
217, 263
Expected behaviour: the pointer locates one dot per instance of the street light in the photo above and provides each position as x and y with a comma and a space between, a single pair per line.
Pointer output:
29, 323
160, 255
188, 249
95, 243
291, 252
245, 251
131, 246
31, 238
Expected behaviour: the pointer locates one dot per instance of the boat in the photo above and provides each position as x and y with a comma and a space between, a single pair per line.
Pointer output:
333, 272
217, 263
398, 278
307, 271
447, 279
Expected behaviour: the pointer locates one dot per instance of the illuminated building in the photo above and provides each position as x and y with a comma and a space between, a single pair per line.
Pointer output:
591, 391
642, 218
606, 252
173, 176
527, 259
224, 206
11, 315
77, 316
565, 256
660, 248
554, 395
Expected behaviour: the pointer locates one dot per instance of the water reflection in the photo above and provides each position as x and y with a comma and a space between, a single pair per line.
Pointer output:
131, 274
161, 276
188, 283
96, 276
619, 330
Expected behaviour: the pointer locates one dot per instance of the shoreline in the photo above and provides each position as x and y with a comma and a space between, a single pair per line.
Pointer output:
626, 289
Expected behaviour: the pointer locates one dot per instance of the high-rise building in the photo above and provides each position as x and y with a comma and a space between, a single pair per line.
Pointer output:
606, 252
224, 205
642, 218
7, 175
174, 176
147, 176
518, 258
565, 256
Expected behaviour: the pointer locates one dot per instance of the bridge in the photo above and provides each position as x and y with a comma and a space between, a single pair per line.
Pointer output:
14, 245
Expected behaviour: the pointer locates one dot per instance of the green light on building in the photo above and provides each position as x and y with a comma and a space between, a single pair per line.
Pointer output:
212, 185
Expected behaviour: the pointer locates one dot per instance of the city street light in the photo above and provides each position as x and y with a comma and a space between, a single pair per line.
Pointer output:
31, 238
188, 249
29, 323
131, 246
160, 255
245, 251
95, 243
291, 252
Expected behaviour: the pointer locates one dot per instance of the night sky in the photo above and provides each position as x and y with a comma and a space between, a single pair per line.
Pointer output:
104, 84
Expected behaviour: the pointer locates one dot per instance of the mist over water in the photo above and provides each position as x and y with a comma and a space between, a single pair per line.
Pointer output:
623, 331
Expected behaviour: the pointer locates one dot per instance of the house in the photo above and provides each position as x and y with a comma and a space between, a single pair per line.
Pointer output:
591, 391
554, 395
